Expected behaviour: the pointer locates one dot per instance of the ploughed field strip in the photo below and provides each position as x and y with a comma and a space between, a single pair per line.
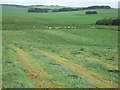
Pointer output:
37, 76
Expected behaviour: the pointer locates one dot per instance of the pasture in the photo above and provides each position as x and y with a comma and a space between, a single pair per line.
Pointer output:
35, 56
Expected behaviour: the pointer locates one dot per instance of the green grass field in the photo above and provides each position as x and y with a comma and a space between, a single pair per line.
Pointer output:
81, 57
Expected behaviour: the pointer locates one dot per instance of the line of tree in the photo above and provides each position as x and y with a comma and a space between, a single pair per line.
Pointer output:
67, 9
39, 10
91, 12
78, 9
108, 21
64, 9
37, 5
98, 7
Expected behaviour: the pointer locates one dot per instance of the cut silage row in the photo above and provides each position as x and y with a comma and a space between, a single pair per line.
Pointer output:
65, 65
45, 72
111, 66
92, 77
12, 72
34, 72
80, 75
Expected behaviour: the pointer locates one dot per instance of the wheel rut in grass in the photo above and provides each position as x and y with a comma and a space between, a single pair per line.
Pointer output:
34, 72
92, 77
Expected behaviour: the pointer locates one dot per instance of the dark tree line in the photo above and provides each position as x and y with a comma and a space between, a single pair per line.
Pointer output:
98, 7
39, 10
78, 9
68, 9
37, 5
109, 21
116, 21
64, 9
91, 12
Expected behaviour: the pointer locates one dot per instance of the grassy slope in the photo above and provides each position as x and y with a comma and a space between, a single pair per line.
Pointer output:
67, 48
92, 49
23, 20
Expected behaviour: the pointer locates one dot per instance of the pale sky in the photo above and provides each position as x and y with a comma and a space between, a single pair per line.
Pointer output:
73, 3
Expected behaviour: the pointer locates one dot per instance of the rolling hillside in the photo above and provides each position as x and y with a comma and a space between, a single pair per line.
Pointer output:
38, 57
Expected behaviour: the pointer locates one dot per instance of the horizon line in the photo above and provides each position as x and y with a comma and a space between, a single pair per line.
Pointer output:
52, 5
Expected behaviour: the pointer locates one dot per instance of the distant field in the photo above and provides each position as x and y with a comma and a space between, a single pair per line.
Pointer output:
50, 7
18, 18
83, 57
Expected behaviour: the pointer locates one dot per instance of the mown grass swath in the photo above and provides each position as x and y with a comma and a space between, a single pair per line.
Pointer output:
67, 57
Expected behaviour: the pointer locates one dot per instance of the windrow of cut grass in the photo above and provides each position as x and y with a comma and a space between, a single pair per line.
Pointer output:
99, 80
37, 76
68, 44
60, 73
12, 71
83, 57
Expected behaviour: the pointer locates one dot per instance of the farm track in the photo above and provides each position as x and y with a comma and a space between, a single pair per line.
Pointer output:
94, 78
34, 72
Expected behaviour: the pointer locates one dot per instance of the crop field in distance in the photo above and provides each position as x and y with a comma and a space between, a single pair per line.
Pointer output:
58, 49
